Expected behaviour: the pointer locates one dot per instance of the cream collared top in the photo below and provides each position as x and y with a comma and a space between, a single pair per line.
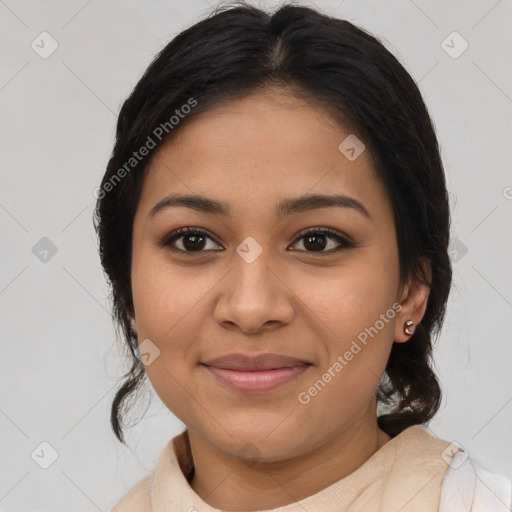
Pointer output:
404, 475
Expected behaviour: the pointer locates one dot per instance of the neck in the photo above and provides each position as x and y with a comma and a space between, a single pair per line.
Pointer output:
225, 482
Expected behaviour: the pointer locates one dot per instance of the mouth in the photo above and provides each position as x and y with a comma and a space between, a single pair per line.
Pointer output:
264, 372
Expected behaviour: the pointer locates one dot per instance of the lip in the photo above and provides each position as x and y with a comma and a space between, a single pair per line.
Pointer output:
264, 372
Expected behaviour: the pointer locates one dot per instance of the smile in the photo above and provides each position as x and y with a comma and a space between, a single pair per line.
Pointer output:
255, 374
262, 380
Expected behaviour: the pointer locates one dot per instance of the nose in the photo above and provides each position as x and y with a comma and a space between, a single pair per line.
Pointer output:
254, 298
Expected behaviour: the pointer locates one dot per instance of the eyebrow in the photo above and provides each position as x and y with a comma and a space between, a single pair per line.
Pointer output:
284, 208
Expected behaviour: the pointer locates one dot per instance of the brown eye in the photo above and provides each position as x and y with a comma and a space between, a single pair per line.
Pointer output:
189, 240
193, 242
316, 240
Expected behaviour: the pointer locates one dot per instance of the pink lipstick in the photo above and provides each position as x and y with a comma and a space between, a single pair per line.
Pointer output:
264, 372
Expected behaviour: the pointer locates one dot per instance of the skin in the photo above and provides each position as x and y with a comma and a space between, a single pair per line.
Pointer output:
292, 300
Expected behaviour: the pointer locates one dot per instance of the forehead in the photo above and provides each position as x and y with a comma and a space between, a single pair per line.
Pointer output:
249, 151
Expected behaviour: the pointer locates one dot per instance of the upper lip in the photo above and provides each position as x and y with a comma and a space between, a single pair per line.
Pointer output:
242, 362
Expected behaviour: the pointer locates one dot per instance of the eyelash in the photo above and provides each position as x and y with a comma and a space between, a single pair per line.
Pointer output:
344, 241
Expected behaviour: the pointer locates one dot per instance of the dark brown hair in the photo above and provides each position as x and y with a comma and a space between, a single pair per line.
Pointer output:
239, 49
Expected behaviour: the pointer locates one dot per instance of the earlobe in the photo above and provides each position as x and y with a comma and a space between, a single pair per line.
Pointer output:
133, 325
414, 299
409, 327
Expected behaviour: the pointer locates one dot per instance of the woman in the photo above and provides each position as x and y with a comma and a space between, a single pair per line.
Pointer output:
274, 223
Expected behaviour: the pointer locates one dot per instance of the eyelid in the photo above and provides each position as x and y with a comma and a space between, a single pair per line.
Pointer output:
168, 239
334, 233
344, 242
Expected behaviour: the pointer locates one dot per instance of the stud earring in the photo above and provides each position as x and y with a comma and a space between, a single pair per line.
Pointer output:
409, 327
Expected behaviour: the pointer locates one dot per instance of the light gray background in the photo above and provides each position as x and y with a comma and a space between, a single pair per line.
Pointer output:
59, 365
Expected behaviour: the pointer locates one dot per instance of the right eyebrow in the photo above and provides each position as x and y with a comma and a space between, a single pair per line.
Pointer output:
199, 203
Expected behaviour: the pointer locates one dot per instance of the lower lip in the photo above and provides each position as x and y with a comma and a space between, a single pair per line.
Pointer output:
263, 380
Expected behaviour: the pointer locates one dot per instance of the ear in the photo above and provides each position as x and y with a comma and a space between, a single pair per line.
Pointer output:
133, 324
413, 297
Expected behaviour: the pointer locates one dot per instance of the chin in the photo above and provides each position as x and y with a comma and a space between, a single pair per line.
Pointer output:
261, 441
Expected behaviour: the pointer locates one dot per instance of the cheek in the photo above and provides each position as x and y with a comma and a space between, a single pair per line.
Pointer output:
351, 298
358, 319
164, 295
171, 305
354, 317
167, 302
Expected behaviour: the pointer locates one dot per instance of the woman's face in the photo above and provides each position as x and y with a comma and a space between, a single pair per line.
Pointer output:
321, 310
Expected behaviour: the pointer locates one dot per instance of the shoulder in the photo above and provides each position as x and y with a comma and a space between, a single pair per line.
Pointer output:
144, 495
469, 486
138, 498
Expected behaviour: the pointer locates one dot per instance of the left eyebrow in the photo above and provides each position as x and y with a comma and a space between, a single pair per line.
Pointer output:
284, 208
314, 201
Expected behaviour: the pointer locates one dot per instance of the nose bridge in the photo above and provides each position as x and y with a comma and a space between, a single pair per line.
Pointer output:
253, 295
252, 268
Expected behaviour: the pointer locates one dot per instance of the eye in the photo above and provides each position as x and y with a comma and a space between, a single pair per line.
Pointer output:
316, 239
191, 240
